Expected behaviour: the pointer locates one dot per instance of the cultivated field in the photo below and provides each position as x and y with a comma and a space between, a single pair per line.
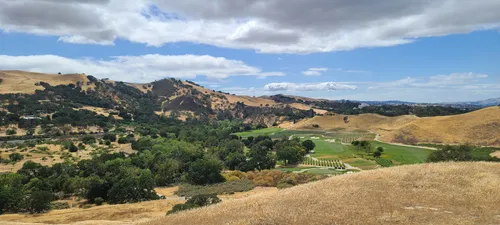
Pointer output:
443, 193
335, 145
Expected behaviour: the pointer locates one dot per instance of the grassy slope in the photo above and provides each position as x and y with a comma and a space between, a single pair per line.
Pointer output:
445, 193
478, 127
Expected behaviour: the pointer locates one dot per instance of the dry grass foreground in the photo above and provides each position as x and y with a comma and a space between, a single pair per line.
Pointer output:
480, 127
444, 193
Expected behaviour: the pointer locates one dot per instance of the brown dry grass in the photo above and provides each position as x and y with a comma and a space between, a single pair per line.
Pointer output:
444, 193
24, 82
496, 154
105, 214
479, 127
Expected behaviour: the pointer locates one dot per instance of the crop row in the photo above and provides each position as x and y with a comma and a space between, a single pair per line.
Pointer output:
384, 162
333, 163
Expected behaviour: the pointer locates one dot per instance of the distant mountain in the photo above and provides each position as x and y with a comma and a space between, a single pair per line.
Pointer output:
484, 103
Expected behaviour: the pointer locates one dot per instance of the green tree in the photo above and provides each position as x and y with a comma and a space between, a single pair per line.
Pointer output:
132, 185
205, 171
289, 151
261, 156
38, 201
235, 161
308, 145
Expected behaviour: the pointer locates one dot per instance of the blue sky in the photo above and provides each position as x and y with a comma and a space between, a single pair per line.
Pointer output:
440, 51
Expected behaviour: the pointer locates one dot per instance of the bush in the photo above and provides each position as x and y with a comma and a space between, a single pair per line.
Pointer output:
222, 188
73, 148
16, 157
11, 132
98, 201
109, 137
59, 205
89, 140
124, 140
196, 202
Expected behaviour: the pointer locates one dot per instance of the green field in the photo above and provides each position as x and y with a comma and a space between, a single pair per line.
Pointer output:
403, 154
335, 145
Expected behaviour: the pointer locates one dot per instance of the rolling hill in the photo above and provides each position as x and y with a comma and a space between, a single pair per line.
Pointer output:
443, 193
479, 127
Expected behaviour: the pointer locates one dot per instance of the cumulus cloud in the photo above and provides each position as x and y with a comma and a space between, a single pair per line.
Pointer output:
325, 86
144, 68
314, 71
269, 26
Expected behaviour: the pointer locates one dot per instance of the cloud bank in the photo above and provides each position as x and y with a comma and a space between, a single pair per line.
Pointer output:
268, 26
325, 86
144, 68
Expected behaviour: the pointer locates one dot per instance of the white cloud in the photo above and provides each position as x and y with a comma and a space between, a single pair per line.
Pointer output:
144, 68
269, 26
314, 71
454, 80
325, 86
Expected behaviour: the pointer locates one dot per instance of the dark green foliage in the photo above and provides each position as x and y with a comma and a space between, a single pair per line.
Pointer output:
290, 151
38, 201
124, 140
452, 153
89, 140
308, 145
230, 187
11, 132
109, 137
59, 205
196, 202
181, 207
205, 171
363, 145
98, 201
72, 148
203, 200
132, 185
15, 157
261, 156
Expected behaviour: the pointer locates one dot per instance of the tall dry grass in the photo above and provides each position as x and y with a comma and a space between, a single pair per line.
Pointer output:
444, 193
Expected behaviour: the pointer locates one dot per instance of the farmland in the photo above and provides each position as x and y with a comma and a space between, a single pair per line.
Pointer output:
335, 146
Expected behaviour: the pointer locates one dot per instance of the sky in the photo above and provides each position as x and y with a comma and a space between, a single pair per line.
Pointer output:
419, 50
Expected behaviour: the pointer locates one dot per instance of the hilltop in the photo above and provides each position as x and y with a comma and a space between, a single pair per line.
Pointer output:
443, 193
166, 97
479, 127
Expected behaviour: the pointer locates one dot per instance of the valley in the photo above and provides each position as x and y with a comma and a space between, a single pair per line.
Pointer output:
75, 149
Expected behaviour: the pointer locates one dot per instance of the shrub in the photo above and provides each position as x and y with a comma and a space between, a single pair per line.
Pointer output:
124, 140
196, 202
11, 132
98, 201
89, 139
222, 188
16, 157
73, 148
59, 205
109, 137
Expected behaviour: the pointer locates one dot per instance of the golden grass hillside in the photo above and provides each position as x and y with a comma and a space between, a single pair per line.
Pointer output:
481, 127
445, 193
14, 81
